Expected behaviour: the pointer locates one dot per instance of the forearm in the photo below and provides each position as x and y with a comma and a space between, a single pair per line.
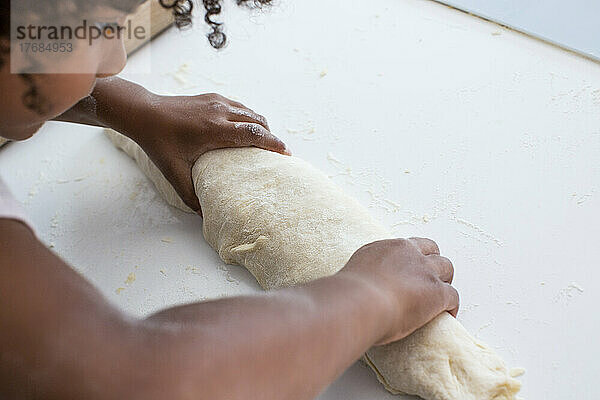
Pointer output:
58, 334
61, 339
114, 103
288, 344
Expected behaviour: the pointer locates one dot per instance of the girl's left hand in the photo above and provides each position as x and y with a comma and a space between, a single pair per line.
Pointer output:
175, 130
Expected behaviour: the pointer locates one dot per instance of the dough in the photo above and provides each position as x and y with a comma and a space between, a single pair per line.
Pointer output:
287, 223
3, 141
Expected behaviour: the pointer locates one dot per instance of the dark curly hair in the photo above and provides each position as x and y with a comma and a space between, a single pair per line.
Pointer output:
182, 10
216, 37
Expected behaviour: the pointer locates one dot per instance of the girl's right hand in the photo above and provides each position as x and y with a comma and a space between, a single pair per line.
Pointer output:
413, 278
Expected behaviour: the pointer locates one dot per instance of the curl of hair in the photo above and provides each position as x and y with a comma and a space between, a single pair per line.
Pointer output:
182, 11
216, 36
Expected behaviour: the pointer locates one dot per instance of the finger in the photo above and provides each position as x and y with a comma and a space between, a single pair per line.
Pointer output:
443, 267
250, 134
243, 114
236, 103
180, 176
426, 246
452, 300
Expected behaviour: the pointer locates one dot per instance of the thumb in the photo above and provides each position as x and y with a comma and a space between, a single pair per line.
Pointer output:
179, 174
452, 299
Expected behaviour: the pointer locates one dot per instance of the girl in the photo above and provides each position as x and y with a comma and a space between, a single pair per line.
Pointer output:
60, 339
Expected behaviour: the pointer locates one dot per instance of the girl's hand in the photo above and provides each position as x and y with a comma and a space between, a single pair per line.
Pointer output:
413, 279
175, 130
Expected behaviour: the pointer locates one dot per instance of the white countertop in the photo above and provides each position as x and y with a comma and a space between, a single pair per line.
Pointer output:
446, 126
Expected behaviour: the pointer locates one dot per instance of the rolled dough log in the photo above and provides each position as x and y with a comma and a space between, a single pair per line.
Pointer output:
287, 223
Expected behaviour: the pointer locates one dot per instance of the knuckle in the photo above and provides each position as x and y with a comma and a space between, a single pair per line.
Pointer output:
446, 262
456, 294
261, 118
453, 297
432, 279
368, 246
216, 106
415, 242
255, 131
400, 242
449, 266
396, 247
433, 244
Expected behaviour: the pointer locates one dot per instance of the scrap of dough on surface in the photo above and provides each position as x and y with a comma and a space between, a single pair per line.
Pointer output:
287, 223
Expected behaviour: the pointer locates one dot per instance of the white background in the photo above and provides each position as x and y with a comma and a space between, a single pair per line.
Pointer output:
446, 126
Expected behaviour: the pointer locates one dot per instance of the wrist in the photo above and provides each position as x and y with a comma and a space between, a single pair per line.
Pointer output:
380, 301
123, 106
138, 118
